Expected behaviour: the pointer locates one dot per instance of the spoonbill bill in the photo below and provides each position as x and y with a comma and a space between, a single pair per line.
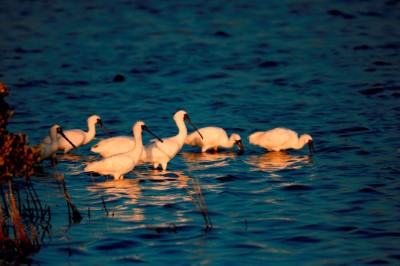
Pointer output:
80, 137
158, 153
279, 139
214, 137
119, 164
49, 149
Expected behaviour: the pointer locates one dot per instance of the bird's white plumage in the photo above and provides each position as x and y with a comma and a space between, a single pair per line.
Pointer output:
77, 136
49, 149
213, 137
114, 145
278, 139
158, 153
119, 164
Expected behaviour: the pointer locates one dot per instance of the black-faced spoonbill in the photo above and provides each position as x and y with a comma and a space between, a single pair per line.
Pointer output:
158, 153
49, 149
279, 139
80, 137
214, 137
120, 164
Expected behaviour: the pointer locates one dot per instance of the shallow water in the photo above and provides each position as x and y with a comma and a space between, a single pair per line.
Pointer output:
328, 69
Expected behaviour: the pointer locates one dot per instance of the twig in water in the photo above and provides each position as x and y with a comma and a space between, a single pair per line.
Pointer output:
22, 245
4, 200
171, 228
101, 196
200, 202
35, 198
76, 216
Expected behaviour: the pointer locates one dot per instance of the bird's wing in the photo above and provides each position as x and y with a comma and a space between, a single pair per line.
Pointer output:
120, 140
277, 137
193, 139
76, 136
109, 165
256, 137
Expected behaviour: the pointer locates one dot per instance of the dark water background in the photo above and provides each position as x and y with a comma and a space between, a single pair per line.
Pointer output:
327, 68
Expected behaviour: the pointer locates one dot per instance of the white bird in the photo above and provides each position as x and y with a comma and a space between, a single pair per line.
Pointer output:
158, 153
49, 149
214, 137
278, 139
114, 145
120, 164
79, 137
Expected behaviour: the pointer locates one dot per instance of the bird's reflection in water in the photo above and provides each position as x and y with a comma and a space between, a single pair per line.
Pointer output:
149, 193
169, 182
164, 179
204, 160
273, 161
120, 196
166, 189
74, 163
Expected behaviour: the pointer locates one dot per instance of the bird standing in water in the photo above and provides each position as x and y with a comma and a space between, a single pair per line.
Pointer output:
158, 153
79, 137
279, 139
119, 164
214, 137
49, 149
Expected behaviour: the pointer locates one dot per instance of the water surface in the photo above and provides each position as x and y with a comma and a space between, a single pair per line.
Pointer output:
328, 69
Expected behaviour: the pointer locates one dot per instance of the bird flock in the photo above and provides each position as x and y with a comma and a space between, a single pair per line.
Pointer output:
122, 153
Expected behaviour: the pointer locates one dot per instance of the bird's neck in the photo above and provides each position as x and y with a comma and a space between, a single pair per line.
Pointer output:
136, 152
181, 136
54, 139
54, 144
300, 143
89, 135
229, 143
138, 142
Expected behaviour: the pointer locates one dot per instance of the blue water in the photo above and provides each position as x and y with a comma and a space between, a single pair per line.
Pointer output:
330, 69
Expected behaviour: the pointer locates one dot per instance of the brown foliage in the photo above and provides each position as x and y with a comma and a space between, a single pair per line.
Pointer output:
16, 245
16, 157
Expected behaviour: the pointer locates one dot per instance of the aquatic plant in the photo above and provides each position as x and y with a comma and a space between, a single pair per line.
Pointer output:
16, 157
170, 228
199, 202
22, 241
196, 196
102, 199
76, 216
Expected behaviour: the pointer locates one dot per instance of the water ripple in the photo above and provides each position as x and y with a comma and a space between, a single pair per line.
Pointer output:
328, 69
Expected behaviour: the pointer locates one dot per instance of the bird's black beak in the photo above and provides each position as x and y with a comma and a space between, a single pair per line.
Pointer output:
311, 147
144, 127
186, 117
103, 127
59, 131
240, 146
